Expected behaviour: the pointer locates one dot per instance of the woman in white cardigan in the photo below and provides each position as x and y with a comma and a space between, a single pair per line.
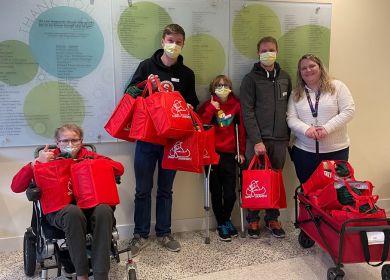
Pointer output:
318, 112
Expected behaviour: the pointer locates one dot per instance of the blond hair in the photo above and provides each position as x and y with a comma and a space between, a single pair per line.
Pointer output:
69, 126
325, 83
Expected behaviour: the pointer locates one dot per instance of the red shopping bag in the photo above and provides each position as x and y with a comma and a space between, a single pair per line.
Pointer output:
94, 183
325, 174
262, 188
142, 127
119, 123
186, 153
53, 179
210, 156
170, 115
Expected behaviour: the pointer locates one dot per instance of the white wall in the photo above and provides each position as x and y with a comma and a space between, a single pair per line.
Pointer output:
359, 56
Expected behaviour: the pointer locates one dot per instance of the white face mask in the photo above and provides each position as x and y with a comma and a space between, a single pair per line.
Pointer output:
69, 150
222, 92
268, 58
172, 50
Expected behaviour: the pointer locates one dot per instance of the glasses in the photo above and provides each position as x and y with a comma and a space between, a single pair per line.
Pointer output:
67, 141
221, 85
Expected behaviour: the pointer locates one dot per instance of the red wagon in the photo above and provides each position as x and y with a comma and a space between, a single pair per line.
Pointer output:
346, 242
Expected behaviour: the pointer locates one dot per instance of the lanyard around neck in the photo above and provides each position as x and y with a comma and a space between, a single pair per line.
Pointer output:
313, 109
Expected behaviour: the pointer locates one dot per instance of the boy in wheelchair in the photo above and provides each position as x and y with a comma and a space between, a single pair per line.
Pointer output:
73, 220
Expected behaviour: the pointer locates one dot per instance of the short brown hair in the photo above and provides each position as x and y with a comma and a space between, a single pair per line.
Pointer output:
173, 28
267, 39
69, 126
214, 83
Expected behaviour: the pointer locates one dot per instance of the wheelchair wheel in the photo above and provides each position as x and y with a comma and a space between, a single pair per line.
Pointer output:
29, 253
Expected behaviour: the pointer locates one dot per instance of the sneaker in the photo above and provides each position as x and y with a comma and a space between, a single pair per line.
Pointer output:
223, 233
276, 228
137, 244
169, 243
232, 230
254, 229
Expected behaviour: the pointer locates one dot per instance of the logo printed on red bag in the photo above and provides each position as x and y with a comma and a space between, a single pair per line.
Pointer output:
255, 191
177, 152
206, 154
179, 111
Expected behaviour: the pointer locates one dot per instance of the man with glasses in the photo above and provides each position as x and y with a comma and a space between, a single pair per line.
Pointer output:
264, 95
71, 219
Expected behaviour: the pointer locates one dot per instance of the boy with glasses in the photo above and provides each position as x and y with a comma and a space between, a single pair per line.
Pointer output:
223, 111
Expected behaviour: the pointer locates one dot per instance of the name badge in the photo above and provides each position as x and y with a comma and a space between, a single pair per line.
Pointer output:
175, 80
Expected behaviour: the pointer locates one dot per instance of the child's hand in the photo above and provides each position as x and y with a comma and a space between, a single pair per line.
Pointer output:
215, 103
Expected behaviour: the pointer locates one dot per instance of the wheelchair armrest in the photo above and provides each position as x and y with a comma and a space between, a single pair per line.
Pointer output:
33, 193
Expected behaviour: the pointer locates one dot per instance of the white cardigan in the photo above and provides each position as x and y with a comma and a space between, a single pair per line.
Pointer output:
334, 112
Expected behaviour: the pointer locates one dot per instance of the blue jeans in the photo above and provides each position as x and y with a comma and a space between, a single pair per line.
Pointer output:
146, 157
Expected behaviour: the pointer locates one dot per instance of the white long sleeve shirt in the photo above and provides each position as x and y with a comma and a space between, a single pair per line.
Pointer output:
334, 112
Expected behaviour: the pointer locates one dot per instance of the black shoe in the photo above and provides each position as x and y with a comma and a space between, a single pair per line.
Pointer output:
254, 229
232, 230
276, 228
223, 233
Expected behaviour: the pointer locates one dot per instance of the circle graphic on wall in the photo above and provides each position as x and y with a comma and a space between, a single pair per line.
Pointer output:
51, 104
304, 39
66, 42
205, 55
251, 24
140, 28
17, 63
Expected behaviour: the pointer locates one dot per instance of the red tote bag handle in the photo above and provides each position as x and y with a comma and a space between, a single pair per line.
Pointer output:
255, 162
360, 200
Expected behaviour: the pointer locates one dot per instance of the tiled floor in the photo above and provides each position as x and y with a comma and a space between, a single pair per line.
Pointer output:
243, 258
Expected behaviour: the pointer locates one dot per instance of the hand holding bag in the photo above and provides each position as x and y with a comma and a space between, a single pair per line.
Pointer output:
119, 123
262, 188
94, 183
53, 179
142, 127
169, 113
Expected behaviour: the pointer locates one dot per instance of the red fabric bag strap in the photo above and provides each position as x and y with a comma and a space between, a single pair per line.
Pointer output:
255, 162
198, 125
360, 200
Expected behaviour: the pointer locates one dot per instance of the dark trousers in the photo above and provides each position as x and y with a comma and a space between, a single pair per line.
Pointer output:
276, 151
306, 162
146, 157
75, 222
223, 187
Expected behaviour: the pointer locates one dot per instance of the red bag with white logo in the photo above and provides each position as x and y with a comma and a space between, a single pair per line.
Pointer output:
142, 127
118, 125
169, 112
262, 188
186, 153
209, 154
53, 180
94, 183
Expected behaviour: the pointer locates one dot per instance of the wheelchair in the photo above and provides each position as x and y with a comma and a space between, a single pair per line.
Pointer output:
45, 245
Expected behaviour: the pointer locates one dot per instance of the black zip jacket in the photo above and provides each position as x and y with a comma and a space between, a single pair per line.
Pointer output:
264, 96
180, 76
